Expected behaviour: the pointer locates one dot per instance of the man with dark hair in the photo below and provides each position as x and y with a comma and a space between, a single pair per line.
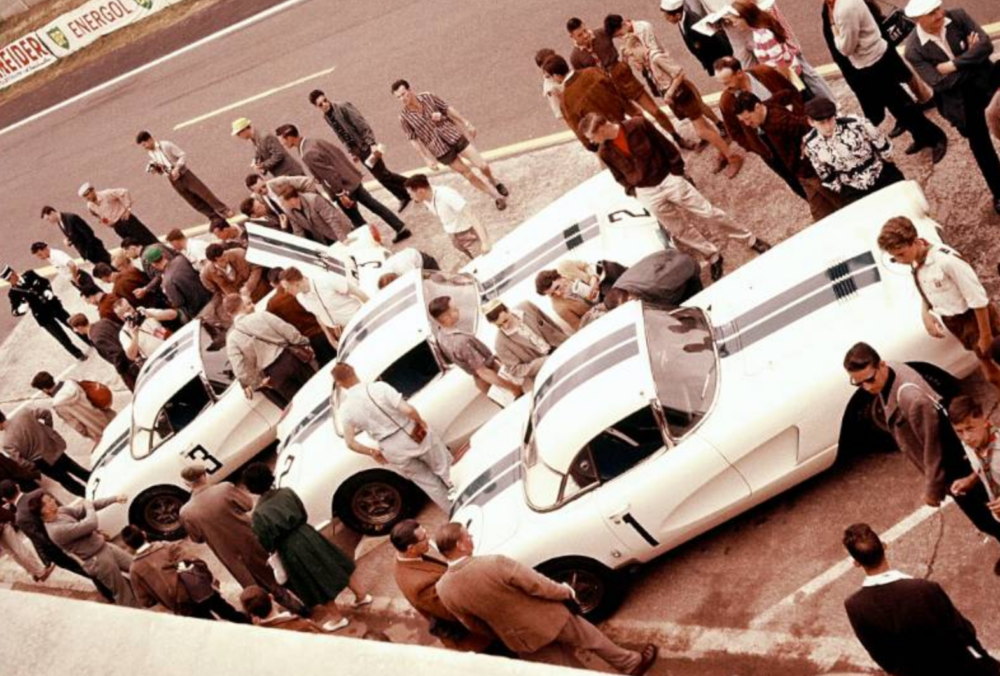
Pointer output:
982, 448
952, 295
431, 125
552, 91
909, 627
525, 339
230, 235
77, 234
286, 306
192, 249
914, 416
29, 435
570, 300
269, 156
227, 271
496, 595
113, 208
33, 293
181, 283
312, 216
64, 265
416, 573
105, 336
71, 402
143, 330
258, 604
356, 134
781, 133
167, 159
585, 91
465, 231
16, 544
341, 178
706, 48
465, 350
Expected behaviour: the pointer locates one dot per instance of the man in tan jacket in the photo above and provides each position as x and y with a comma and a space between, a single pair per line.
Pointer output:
525, 338
524, 608
71, 403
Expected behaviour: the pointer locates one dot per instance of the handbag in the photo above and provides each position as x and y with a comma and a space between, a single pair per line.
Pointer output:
896, 26
278, 566
98, 394
418, 433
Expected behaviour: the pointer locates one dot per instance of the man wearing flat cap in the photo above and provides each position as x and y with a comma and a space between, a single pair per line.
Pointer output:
32, 293
850, 155
706, 48
951, 53
525, 338
113, 208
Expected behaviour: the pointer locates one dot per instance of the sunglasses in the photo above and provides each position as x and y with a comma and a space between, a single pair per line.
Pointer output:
867, 381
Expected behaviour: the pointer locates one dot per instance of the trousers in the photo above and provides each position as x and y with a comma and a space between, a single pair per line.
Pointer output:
392, 181
135, 229
216, 607
51, 324
20, 550
108, 566
361, 196
429, 469
579, 634
675, 200
67, 472
198, 195
882, 82
977, 133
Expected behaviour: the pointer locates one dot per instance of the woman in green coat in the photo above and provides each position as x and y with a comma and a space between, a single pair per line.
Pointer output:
317, 570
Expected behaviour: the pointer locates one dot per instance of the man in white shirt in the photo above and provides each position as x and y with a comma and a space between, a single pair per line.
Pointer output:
952, 294
452, 211
142, 332
65, 266
405, 441
166, 159
192, 249
333, 299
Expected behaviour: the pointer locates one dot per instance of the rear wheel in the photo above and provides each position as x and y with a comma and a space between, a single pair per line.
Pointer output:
599, 589
373, 502
157, 511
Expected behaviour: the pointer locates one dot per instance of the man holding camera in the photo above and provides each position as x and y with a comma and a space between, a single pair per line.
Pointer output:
404, 439
142, 331
167, 159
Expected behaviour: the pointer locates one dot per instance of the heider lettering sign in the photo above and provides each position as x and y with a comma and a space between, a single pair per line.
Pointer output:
23, 57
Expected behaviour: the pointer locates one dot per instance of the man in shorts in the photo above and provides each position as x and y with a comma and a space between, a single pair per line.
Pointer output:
463, 229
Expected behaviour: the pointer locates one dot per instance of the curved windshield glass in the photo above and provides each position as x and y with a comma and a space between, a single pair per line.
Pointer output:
684, 364
215, 361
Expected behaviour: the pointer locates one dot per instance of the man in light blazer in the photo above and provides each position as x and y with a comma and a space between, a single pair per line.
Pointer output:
312, 216
951, 53
29, 435
525, 609
525, 338
332, 168
169, 160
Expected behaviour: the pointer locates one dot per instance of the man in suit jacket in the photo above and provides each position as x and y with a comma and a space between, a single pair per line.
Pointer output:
32, 293
525, 609
588, 90
269, 156
30, 436
104, 334
356, 134
909, 627
331, 167
416, 574
77, 234
951, 53
525, 338
707, 49
312, 216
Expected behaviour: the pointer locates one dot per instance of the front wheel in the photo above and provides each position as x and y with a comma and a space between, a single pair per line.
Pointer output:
373, 502
158, 512
599, 589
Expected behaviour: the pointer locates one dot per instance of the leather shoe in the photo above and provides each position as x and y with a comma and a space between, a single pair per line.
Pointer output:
940, 150
403, 204
898, 130
649, 653
760, 246
715, 269
502, 189
401, 235
915, 148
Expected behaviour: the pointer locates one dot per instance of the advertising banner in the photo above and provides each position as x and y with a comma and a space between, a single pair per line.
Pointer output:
21, 58
78, 28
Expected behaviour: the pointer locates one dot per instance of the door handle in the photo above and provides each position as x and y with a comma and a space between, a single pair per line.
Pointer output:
618, 514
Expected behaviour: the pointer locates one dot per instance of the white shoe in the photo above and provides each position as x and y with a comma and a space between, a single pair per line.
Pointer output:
363, 601
335, 626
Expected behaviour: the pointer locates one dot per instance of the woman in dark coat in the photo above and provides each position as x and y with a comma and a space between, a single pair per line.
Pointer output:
317, 570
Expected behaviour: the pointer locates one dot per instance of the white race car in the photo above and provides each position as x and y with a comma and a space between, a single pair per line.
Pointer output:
186, 406
648, 427
392, 338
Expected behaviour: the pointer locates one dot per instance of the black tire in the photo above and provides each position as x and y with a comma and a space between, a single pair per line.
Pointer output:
599, 590
157, 511
374, 501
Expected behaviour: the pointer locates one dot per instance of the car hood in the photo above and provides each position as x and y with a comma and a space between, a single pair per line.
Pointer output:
114, 440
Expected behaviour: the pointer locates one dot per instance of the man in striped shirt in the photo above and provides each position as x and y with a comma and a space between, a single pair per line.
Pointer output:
433, 128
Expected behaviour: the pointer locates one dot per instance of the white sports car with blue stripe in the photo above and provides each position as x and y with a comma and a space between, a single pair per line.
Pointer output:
648, 427
392, 338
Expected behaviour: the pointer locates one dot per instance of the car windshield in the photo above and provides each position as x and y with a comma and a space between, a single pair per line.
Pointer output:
215, 361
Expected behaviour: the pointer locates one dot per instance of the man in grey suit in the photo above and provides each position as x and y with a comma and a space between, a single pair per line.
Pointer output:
331, 167
30, 436
312, 216
496, 595
269, 156
951, 53
525, 338
356, 134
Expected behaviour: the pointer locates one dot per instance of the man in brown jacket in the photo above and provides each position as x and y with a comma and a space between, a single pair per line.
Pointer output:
29, 437
287, 307
227, 271
219, 515
312, 216
781, 133
525, 609
525, 338
585, 91
416, 575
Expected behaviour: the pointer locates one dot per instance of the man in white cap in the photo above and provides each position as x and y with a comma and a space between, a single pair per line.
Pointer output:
706, 48
113, 207
270, 157
951, 53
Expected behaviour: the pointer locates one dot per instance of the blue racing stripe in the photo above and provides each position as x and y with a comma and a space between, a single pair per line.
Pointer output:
385, 311
481, 482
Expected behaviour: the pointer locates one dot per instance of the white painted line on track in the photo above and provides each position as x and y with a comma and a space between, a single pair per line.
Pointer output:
835, 572
251, 99
240, 25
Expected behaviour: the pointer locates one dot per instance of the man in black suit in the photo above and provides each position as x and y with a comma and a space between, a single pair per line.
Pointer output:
356, 134
951, 53
908, 626
706, 48
30, 292
78, 234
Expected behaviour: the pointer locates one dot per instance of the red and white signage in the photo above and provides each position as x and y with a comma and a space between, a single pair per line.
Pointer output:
85, 24
21, 58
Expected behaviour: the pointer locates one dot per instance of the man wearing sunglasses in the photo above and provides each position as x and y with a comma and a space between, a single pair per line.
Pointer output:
915, 417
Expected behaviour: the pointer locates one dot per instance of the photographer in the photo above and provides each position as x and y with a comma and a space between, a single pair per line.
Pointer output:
142, 333
166, 159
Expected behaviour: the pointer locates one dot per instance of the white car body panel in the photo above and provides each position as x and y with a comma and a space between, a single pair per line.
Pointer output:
782, 324
594, 221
